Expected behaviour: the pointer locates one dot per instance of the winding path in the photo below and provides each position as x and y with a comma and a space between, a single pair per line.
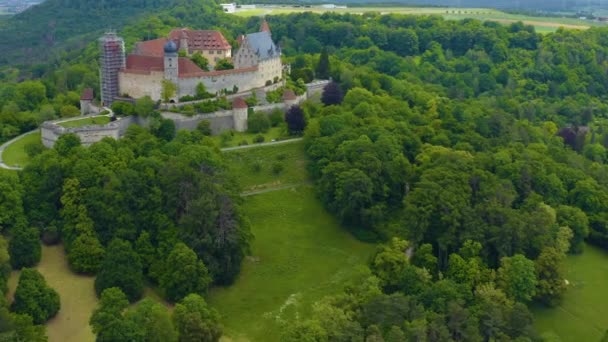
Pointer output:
8, 143
261, 144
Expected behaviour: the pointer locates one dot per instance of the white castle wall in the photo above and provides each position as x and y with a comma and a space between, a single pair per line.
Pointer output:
139, 85
219, 121
243, 80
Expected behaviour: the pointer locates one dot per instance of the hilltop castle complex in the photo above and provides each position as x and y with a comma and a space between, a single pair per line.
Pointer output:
257, 62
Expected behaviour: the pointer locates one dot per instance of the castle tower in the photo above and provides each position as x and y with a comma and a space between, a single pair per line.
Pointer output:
183, 41
171, 62
112, 60
239, 114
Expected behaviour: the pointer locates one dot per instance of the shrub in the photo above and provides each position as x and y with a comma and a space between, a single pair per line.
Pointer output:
276, 117
204, 127
277, 168
33, 149
258, 139
243, 143
256, 166
225, 137
281, 156
258, 123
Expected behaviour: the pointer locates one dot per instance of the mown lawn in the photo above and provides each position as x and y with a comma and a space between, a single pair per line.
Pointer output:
98, 120
15, 155
583, 314
77, 297
299, 255
269, 166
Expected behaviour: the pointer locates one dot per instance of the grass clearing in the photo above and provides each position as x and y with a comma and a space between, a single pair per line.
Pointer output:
543, 24
255, 166
15, 155
583, 314
96, 120
299, 255
77, 297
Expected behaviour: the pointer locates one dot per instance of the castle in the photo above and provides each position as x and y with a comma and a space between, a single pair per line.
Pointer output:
257, 63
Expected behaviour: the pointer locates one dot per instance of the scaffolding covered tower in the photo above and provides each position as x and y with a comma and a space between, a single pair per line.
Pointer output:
112, 60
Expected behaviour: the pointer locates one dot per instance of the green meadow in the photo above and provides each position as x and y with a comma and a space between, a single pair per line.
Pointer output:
269, 166
15, 155
299, 255
583, 314
96, 120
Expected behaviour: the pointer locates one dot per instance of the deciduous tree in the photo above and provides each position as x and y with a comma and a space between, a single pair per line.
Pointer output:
34, 297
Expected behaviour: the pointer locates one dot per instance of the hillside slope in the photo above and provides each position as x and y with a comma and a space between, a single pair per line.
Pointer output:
62, 25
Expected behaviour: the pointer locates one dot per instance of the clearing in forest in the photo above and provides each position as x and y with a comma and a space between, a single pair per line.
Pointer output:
76, 292
268, 167
583, 313
299, 253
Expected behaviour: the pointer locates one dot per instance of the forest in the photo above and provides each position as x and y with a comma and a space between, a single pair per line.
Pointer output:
473, 154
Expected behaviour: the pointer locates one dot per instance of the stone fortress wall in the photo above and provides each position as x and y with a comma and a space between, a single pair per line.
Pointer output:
219, 121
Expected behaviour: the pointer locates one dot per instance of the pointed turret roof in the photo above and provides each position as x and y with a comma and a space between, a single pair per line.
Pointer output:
264, 27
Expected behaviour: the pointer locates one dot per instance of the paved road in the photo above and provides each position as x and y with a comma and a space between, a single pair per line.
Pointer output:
262, 144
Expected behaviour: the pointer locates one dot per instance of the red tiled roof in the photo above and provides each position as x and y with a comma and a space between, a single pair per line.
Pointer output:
87, 94
201, 39
140, 63
264, 27
289, 95
186, 66
152, 47
239, 103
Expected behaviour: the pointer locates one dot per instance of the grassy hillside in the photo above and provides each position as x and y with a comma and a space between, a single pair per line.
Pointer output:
300, 254
583, 314
50, 29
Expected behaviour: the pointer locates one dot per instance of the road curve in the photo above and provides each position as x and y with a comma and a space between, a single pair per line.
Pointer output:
6, 144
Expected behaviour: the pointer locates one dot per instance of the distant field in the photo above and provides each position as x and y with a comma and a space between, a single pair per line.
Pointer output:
99, 120
299, 255
14, 154
583, 315
245, 164
543, 24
